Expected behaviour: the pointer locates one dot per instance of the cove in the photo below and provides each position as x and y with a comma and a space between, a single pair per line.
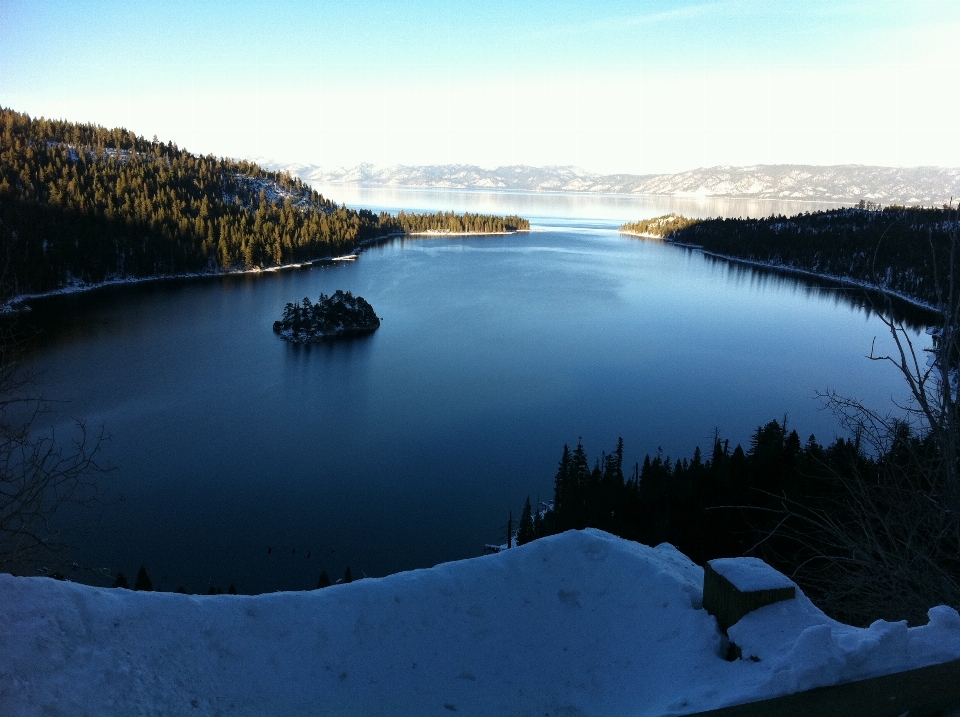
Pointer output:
407, 447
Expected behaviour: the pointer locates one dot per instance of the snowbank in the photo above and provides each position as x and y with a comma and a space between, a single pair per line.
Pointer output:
578, 624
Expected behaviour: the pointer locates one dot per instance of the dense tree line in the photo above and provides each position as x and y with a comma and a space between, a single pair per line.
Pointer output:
736, 502
909, 250
659, 226
341, 314
677, 501
449, 222
82, 202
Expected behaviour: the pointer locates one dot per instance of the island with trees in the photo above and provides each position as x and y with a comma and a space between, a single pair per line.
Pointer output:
466, 223
339, 316
81, 205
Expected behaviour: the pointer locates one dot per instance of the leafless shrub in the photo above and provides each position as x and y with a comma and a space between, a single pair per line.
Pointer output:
39, 473
886, 542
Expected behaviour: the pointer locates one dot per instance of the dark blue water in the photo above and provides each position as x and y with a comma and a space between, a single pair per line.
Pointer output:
409, 447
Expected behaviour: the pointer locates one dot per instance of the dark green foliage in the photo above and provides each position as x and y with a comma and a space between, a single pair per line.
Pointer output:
340, 315
81, 202
143, 580
525, 529
662, 226
449, 222
901, 249
324, 580
729, 505
121, 581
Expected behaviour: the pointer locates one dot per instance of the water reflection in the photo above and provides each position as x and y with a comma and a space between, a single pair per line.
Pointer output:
408, 447
872, 303
546, 207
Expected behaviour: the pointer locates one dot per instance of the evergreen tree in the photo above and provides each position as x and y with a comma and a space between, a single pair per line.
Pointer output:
324, 581
143, 580
84, 202
121, 581
525, 531
347, 575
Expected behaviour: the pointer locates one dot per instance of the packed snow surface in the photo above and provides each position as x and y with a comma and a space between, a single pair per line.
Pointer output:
751, 574
581, 623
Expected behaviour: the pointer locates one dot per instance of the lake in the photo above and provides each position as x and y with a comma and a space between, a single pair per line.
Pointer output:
244, 459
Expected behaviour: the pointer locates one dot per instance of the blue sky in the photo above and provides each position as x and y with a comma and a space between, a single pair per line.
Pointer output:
637, 87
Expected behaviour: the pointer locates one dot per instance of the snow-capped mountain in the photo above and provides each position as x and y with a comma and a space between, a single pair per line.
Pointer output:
844, 183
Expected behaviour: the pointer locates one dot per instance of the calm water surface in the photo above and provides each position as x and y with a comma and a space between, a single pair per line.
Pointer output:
408, 448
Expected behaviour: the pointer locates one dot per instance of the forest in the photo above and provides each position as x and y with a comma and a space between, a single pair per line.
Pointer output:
452, 223
659, 226
869, 525
907, 250
340, 315
79, 202
789, 501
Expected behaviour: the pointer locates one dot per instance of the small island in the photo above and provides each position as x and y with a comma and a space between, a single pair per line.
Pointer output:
342, 315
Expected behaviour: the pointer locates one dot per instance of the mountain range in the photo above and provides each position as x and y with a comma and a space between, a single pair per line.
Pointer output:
840, 183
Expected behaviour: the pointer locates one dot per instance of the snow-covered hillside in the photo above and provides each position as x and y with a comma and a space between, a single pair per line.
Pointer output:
577, 624
841, 183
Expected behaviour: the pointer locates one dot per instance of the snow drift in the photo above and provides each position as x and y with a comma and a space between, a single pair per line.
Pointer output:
577, 624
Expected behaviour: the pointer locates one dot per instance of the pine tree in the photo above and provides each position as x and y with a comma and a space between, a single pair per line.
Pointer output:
121, 581
348, 575
324, 581
143, 580
525, 532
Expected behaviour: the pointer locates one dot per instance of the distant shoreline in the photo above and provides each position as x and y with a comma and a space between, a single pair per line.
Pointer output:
643, 235
17, 303
14, 305
431, 233
805, 272
790, 269
318, 185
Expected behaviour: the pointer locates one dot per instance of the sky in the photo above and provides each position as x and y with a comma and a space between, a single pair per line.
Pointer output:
636, 87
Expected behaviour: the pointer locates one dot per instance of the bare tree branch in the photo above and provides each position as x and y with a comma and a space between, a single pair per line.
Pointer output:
39, 472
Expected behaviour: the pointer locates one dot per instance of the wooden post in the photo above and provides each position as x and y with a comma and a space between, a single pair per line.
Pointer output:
728, 602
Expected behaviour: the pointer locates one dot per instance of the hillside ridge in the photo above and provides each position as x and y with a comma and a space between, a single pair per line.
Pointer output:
839, 183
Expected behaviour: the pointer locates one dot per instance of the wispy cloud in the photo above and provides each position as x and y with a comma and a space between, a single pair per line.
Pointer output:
615, 23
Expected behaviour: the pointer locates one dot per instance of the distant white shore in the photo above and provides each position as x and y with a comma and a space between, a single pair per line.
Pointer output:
805, 272
433, 233
791, 269
644, 235
15, 304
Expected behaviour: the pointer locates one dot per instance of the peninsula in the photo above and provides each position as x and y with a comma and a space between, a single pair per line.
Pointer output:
82, 205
